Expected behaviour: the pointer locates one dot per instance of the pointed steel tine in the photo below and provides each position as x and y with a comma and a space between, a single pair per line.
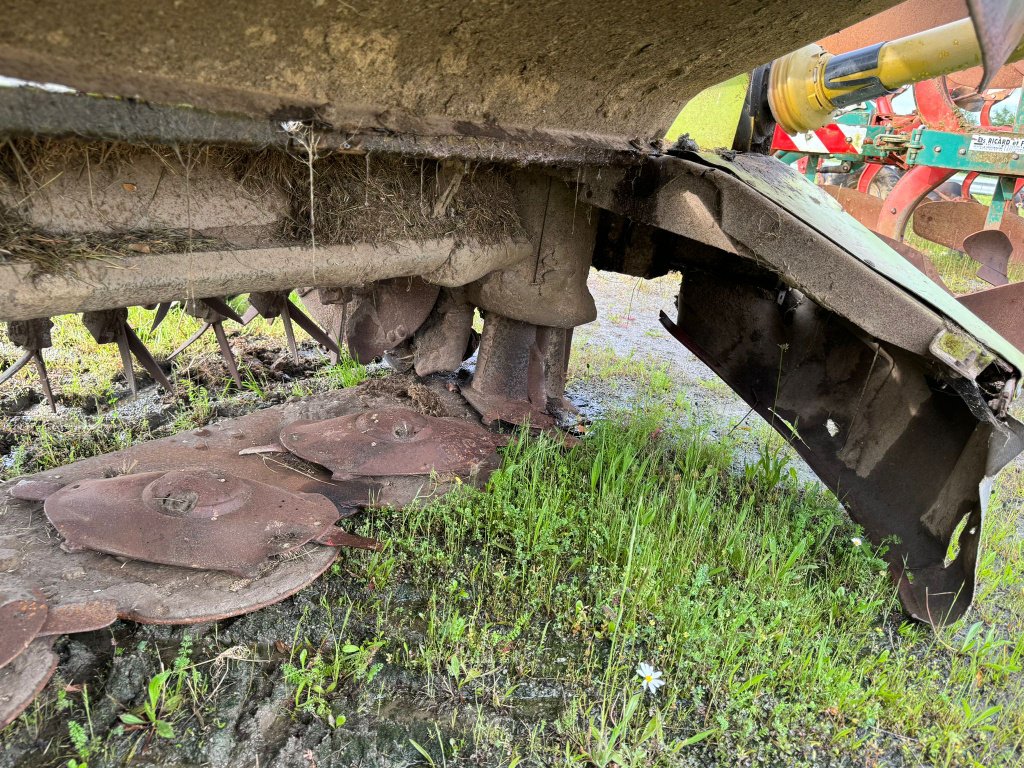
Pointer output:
310, 327
222, 307
146, 359
334, 355
161, 313
44, 379
9, 373
289, 333
126, 357
190, 341
250, 314
337, 332
225, 351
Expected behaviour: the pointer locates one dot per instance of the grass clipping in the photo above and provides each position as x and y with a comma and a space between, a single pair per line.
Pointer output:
379, 199
26, 162
333, 198
55, 254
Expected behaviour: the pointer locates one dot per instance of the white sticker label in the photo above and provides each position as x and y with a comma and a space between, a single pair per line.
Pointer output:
986, 142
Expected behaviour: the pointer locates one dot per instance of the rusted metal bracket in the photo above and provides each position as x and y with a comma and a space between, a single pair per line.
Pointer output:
909, 450
508, 385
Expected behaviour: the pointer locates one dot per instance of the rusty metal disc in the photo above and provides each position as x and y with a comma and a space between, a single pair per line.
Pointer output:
22, 614
194, 518
950, 222
23, 679
396, 442
862, 206
1002, 308
147, 592
161, 594
992, 249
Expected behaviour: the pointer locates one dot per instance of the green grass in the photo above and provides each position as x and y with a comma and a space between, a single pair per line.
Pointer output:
775, 631
534, 599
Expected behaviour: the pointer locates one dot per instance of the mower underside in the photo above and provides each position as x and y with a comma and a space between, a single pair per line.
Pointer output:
402, 178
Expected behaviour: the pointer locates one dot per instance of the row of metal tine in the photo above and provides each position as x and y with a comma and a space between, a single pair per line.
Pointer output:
110, 326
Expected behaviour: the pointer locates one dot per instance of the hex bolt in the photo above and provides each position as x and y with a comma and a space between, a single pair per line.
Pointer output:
962, 152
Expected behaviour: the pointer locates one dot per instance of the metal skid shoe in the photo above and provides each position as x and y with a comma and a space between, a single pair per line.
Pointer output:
204, 525
520, 373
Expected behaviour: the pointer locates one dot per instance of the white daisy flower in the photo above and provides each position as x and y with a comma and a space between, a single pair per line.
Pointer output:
856, 541
651, 677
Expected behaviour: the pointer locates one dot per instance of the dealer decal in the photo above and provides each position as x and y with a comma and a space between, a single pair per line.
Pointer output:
986, 142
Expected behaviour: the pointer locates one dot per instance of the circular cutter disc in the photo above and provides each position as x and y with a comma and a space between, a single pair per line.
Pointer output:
393, 442
147, 592
194, 518
23, 679
22, 615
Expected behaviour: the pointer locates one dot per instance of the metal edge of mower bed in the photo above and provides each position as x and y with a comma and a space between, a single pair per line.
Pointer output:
872, 374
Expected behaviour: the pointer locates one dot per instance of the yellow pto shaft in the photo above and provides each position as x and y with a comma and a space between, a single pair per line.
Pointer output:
806, 87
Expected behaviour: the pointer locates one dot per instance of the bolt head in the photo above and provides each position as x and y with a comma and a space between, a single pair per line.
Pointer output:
962, 152
938, 150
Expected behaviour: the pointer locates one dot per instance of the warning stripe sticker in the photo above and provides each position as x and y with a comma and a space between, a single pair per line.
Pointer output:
833, 139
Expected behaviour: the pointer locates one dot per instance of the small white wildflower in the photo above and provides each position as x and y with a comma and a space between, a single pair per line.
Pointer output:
856, 541
651, 677
832, 427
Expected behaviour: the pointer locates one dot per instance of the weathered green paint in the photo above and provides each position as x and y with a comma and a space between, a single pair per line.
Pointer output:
711, 117
1002, 194
811, 170
814, 207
